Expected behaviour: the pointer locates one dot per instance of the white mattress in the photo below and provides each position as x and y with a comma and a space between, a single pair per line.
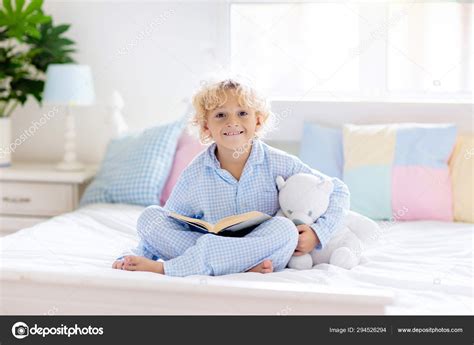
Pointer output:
427, 265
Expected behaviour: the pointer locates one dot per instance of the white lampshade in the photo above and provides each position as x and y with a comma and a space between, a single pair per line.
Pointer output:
69, 84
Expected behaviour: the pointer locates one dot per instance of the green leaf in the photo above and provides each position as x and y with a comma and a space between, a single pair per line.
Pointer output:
33, 7
55, 48
69, 50
41, 44
58, 30
39, 18
64, 41
22, 21
22, 98
19, 6
34, 51
33, 32
8, 6
27, 86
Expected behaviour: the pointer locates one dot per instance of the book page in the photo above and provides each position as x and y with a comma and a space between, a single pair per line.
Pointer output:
248, 223
231, 223
241, 221
197, 222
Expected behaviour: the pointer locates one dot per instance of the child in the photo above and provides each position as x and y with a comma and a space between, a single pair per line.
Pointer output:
236, 174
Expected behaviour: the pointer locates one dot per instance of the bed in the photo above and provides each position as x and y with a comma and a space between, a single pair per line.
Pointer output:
62, 267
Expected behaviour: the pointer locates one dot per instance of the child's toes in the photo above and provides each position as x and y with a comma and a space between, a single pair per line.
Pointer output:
133, 263
128, 267
267, 266
117, 264
128, 260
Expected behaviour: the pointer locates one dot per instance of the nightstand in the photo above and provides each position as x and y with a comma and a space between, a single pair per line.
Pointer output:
32, 192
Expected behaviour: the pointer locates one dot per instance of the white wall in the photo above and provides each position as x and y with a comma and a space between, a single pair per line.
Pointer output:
153, 53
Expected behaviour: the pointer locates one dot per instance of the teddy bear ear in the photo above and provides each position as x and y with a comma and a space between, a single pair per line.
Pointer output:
326, 185
280, 182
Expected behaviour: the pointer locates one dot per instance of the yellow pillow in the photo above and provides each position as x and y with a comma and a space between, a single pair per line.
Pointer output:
461, 166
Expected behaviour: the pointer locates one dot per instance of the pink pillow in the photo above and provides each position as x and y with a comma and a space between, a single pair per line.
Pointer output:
187, 148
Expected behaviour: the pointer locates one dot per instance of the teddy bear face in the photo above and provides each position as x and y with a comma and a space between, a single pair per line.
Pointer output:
304, 198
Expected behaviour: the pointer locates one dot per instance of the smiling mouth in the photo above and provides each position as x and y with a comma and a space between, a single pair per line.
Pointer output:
229, 134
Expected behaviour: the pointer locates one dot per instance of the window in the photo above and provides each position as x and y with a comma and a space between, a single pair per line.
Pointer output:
429, 50
295, 48
373, 50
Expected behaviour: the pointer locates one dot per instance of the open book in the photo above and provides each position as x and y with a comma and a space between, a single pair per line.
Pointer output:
238, 225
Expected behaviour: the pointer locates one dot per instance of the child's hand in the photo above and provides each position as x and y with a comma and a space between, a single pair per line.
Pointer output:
307, 240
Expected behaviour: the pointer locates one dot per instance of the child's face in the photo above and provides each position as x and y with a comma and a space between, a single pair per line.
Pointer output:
232, 126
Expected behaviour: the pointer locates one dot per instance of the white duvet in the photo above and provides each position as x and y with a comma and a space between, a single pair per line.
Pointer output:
427, 265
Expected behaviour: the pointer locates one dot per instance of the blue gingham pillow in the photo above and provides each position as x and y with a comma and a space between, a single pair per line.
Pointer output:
135, 167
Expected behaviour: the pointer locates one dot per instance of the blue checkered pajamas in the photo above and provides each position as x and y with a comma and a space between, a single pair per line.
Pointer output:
206, 191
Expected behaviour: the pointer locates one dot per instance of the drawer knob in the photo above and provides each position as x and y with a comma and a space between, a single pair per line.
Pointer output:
16, 200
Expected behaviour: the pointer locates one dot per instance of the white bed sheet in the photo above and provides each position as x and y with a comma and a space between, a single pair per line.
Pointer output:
427, 265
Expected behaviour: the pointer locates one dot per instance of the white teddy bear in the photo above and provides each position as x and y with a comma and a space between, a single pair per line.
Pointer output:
303, 199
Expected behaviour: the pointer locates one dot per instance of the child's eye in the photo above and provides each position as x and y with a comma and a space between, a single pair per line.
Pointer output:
219, 115
243, 113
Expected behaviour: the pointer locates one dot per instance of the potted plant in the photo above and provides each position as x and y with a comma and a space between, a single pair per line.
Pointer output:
29, 42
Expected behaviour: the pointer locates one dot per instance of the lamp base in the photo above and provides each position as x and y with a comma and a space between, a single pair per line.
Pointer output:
70, 166
69, 162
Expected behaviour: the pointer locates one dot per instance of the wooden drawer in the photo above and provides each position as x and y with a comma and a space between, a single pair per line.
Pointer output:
10, 224
36, 199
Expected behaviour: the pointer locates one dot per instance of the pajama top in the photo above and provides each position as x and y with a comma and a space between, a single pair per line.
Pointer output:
206, 191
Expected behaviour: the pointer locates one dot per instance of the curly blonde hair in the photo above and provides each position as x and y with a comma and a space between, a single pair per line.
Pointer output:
212, 95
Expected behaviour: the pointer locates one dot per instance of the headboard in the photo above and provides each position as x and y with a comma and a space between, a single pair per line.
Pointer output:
290, 116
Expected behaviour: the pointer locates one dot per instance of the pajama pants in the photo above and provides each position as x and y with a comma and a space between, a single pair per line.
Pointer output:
187, 252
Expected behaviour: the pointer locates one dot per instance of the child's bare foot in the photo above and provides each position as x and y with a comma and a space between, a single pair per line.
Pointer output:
266, 266
118, 264
140, 263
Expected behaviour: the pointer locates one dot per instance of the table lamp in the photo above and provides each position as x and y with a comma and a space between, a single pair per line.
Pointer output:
69, 85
